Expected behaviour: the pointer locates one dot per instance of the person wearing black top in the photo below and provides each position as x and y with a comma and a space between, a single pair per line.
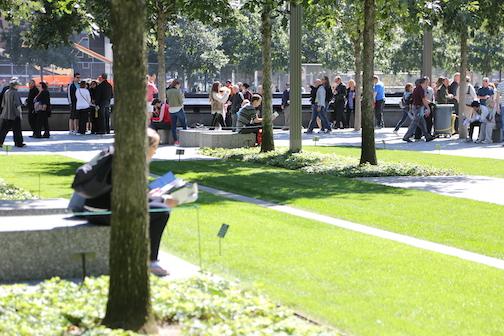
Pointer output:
340, 93
30, 103
103, 95
285, 107
43, 111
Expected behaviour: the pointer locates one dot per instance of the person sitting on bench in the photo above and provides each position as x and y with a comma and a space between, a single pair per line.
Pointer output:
161, 118
248, 121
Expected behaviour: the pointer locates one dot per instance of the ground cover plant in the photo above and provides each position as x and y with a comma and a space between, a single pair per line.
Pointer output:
11, 192
458, 164
330, 164
417, 213
361, 284
203, 305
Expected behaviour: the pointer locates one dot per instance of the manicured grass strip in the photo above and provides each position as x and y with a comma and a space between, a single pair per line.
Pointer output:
463, 165
471, 225
49, 176
362, 284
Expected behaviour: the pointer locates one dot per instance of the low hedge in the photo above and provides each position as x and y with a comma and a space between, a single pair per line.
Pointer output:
203, 305
10, 192
317, 163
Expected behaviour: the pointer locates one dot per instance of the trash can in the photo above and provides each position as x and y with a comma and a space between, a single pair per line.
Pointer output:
443, 119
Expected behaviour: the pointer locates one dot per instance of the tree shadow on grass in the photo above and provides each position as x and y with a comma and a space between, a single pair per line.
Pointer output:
270, 183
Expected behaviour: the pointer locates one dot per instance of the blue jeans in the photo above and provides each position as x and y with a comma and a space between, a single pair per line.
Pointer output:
323, 118
175, 117
405, 116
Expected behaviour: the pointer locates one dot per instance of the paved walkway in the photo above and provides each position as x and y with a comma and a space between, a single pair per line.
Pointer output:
479, 188
403, 239
85, 147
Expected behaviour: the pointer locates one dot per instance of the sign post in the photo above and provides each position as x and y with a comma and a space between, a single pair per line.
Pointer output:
221, 234
179, 152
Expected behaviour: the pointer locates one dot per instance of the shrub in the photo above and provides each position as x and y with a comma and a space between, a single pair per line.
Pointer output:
203, 305
10, 192
317, 163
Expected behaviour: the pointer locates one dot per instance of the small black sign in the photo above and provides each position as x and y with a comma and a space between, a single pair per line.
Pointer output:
223, 230
180, 152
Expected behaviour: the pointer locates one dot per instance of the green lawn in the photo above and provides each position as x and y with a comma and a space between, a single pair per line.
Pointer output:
461, 164
448, 220
362, 284
49, 176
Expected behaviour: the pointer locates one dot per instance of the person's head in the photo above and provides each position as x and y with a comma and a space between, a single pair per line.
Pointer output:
422, 82
216, 86
156, 102
175, 84
325, 80
376, 79
440, 81
485, 82
456, 77
229, 83
351, 84
151, 77
76, 78
475, 105
31, 84
408, 87
317, 82
14, 84
240, 86
93, 84
235, 89
82, 84
337, 80
468, 79
256, 100
246, 86
446, 82
427, 79
153, 143
43, 86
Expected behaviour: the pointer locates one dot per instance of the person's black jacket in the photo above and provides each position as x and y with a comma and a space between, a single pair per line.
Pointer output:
285, 98
103, 93
236, 101
5, 88
341, 93
72, 89
44, 98
313, 94
30, 101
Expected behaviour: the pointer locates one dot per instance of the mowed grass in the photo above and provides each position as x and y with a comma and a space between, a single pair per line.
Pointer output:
361, 284
460, 164
47, 176
467, 224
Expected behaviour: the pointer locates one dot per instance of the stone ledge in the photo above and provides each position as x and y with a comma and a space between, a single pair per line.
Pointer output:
41, 247
226, 139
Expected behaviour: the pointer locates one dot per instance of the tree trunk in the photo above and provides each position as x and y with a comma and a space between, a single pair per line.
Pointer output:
358, 81
128, 305
161, 35
268, 143
368, 150
296, 106
463, 84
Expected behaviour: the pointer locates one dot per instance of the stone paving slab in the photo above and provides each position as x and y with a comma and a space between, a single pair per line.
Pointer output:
479, 188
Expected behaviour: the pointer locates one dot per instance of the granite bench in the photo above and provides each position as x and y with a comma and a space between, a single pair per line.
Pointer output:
44, 246
226, 139
190, 137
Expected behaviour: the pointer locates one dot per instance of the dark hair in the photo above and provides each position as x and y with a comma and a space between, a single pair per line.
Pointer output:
475, 103
82, 84
156, 101
408, 86
174, 83
255, 97
44, 85
420, 81
104, 76
246, 85
76, 74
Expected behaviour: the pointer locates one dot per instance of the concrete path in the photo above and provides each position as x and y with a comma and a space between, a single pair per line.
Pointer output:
85, 147
479, 188
447, 146
400, 238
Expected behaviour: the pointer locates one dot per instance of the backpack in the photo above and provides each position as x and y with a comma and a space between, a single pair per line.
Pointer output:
93, 179
166, 115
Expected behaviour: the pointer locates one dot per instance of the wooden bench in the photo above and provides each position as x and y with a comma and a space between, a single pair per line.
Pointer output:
226, 139
45, 246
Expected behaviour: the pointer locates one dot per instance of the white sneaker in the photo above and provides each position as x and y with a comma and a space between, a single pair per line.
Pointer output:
157, 270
